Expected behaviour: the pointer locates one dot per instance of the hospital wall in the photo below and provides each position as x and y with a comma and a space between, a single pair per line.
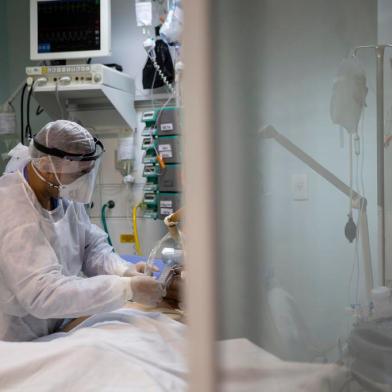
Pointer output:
128, 51
300, 245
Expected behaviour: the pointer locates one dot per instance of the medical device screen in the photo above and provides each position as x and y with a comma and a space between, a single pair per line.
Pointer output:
68, 26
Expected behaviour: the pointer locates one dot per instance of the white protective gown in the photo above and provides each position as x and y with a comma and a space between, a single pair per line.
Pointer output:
42, 255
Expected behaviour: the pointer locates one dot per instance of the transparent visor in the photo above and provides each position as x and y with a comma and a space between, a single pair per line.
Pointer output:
77, 186
80, 189
74, 175
65, 171
51, 164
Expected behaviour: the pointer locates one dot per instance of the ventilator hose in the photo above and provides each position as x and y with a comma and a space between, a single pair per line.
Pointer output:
135, 232
109, 204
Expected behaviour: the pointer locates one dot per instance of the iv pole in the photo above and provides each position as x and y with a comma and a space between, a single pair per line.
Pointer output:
380, 50
359, 202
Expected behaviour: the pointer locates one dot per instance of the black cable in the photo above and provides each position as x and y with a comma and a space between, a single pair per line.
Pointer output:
39, 110
28, 132
89, 60
28, 127
21, 114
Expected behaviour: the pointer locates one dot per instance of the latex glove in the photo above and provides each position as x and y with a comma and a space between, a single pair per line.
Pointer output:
168, 222
146, 290
138, 269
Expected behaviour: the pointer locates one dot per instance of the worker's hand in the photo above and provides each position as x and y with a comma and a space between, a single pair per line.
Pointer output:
387, 140
141, 267
138, 269
146, 290
168, 221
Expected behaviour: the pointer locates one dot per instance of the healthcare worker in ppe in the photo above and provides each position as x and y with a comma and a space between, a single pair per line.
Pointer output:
55, 264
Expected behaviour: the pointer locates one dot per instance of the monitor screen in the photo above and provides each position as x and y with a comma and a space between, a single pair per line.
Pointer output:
69, 28
69, 25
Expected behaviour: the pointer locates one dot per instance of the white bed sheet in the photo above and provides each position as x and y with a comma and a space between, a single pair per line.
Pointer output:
129, 350
248, 368
126, 350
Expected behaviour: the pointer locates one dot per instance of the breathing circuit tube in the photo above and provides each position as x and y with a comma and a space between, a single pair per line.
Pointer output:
110, 204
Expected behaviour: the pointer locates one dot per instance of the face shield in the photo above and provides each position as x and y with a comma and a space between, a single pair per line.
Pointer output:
74, 174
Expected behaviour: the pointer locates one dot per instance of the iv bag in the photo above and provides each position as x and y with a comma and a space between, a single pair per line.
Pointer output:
147, 13
125, 155
348, 95
172, 28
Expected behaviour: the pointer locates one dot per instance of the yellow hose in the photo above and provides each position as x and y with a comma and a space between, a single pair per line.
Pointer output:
135, 233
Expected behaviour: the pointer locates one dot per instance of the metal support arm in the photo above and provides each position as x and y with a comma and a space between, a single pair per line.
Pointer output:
359, 202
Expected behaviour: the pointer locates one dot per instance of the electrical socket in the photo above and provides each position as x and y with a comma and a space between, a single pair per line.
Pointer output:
299, 187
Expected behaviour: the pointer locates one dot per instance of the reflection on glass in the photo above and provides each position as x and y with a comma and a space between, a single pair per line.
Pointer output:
308, 281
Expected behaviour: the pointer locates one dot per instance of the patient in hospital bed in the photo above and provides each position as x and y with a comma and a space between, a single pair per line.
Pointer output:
145, 349
171, 305
137, 348
130, 350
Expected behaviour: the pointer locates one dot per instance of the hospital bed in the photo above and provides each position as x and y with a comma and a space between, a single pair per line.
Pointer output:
144, 349
130, 350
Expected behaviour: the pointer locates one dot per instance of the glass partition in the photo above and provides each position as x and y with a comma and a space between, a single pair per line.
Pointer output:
298, 196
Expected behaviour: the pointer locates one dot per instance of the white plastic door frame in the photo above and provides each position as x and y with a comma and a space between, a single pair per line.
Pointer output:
199, 195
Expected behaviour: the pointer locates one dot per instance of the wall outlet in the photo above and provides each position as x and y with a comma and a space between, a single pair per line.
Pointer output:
299, 187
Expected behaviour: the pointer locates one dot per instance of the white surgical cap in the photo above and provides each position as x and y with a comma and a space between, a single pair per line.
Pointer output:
66, 136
